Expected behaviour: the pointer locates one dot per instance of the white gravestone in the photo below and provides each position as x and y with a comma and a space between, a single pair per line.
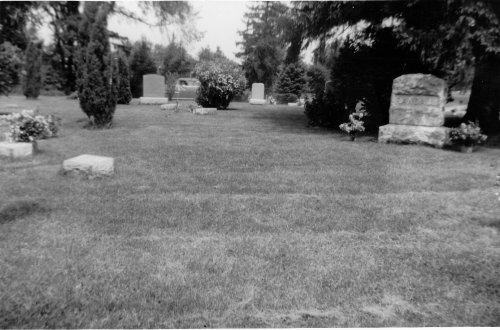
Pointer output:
416, 113
90, 165
257, 94
153, 89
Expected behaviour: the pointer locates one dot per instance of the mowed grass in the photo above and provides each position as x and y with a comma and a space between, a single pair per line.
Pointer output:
245, 219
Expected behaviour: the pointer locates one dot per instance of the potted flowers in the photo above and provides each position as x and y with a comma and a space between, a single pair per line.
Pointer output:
467, 136
355, 124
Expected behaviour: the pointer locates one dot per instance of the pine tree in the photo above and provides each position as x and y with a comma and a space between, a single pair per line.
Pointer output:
290, 83
264, 41
124, 93
97, 84
32, 82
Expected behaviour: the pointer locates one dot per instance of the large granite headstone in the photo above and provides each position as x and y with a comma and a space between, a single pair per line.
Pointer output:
416, 113
153, 89
257, 94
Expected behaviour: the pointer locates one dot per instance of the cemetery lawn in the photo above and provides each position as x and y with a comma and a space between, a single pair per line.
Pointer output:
247, 218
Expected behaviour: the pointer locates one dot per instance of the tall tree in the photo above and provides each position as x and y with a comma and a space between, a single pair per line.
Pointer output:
32, 82
10, 64
14, 17
263, 41
206, 54
97, 82
175, 59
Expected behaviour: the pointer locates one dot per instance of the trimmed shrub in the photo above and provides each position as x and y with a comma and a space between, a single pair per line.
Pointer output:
32, 82
97, 85
290, 83
10, 64
124, 94
220, 81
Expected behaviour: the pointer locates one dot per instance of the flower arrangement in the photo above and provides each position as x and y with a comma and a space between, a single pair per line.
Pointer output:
468, 135
29, 126
355, 124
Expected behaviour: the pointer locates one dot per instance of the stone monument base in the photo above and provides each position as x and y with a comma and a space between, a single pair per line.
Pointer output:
257, 101
205, 111
90, 165
153, 100
435, 136
169, 106
16, 149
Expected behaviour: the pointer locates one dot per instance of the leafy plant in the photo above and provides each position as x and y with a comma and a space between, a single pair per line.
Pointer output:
355, 124
467, 134
29, 126
220, 81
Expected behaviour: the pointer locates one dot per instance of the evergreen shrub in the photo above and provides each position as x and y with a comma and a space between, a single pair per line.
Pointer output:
290, 83
97, 84
32, 82
10, 65
124, 94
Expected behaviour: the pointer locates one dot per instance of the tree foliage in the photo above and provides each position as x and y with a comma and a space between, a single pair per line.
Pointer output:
450, 36
14, 17
175, 59
263, 41
32, 82
290, 83
141, 62
10, 64
97, 84
124, 95
220, 80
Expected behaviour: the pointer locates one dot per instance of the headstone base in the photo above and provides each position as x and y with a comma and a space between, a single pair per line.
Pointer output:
257, 101
435, 136
16, 149
153, 100
169, 106
205, 111
89, 165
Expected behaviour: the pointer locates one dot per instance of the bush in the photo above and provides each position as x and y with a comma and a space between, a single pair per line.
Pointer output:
220, 81
467, 134
123, 80
28, 126
10, 64
96, 84
286, 98
290, 83
170, 81
32, 82
317, 76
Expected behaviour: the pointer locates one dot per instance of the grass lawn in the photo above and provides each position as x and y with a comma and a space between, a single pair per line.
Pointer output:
245, 219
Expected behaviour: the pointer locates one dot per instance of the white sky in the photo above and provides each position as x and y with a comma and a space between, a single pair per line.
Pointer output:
219, 20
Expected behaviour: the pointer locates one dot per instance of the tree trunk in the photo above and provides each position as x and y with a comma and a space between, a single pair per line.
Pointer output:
484, 102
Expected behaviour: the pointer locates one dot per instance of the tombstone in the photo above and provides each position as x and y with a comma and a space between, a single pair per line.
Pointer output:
257, 94
416, 113
153, 89
89, 165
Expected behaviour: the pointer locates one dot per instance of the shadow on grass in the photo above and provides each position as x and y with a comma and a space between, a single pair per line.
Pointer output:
13, 210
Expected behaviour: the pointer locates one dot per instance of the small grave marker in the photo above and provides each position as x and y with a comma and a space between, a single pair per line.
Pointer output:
90, 165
